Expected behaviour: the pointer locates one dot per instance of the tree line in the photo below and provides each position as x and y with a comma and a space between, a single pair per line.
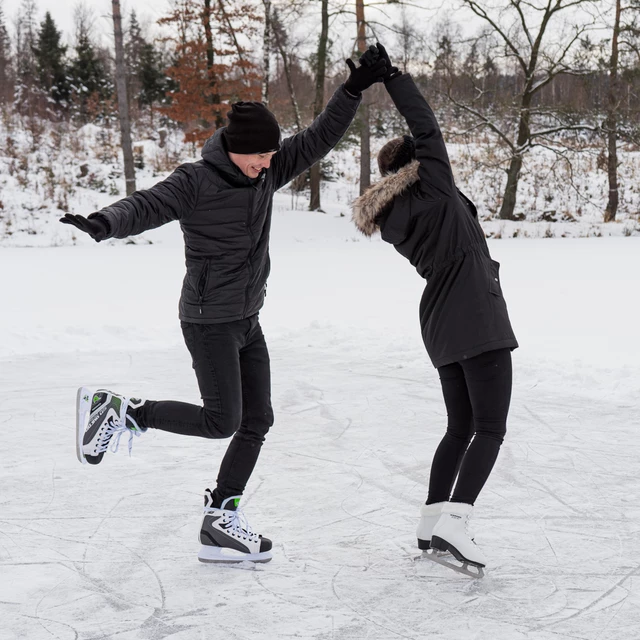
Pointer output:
563, 75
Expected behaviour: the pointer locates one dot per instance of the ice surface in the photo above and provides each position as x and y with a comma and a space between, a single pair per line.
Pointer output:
110, 552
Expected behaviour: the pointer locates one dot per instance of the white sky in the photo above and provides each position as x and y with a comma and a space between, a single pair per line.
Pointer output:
62, 11
148, 11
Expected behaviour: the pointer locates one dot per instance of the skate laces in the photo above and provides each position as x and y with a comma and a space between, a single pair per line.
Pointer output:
115, 429
238, 523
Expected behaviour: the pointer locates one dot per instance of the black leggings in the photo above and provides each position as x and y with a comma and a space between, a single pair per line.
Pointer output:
477, 393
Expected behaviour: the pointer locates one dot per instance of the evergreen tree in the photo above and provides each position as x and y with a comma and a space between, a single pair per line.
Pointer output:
26, 95
151, 75
50, 61
146, 70
5, 62
88, 75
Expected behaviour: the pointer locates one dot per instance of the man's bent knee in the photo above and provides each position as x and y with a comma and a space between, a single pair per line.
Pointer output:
218, 427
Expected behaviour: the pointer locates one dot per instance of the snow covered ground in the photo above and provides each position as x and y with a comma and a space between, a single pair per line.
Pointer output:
110, 552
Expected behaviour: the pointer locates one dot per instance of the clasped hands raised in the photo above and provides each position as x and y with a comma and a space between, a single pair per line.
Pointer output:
375, 66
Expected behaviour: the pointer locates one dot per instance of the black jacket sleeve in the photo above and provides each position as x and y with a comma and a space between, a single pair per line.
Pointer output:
436, 177
171, 199
304, 149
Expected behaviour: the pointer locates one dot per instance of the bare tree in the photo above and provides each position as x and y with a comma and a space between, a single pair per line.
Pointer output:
280, 40
521, 28
266, 53
365, 131
213, 83
625, 34
123, 102
318, 104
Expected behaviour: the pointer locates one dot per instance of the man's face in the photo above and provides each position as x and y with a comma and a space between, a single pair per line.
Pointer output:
251, 164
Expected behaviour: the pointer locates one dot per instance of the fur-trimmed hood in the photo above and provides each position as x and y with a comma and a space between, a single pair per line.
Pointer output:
368, 207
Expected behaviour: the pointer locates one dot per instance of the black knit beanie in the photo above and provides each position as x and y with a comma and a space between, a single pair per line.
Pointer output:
252, 129
395, 154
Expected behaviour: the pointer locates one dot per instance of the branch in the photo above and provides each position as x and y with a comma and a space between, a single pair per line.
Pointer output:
503, 136
516, 4
479, 11
569, 127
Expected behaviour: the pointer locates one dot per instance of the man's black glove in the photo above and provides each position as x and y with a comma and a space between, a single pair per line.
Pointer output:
363, 77
392, 72
95, 225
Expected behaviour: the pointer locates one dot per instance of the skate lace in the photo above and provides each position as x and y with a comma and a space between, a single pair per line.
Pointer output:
240, 525
118, 430
114, 431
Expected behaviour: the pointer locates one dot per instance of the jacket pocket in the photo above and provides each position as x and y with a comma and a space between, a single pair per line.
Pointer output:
494, 278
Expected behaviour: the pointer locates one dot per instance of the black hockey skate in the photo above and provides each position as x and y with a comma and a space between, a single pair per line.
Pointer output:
226, 536
101, 420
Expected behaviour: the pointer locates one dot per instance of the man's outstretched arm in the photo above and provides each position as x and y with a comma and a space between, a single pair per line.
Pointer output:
171, 199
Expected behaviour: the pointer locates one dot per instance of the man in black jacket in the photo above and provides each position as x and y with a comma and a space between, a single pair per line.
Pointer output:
223, 204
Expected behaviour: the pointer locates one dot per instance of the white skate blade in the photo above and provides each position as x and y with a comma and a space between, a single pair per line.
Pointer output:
83, 411
445, 559
224, 555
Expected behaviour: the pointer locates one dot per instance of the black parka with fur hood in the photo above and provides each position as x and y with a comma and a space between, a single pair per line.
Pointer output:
226, 217
431, 223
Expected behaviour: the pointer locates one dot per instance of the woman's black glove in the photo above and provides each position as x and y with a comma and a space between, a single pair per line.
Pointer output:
392, 72
95, 225
364, 76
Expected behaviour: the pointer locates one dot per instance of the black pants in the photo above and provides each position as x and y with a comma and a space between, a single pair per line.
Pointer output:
477, 393
232, 366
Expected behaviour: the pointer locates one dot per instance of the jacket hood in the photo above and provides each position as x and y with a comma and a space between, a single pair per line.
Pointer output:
214, 153
368, 207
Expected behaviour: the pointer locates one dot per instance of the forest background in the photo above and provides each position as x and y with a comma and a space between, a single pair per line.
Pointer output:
538, 101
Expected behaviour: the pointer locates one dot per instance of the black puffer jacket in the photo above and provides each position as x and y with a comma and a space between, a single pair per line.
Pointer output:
429, 221
226, 217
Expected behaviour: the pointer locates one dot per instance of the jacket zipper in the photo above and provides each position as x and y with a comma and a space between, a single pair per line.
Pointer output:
203, 280
249, 217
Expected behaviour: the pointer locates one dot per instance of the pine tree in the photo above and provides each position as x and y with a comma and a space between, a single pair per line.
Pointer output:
50, 63
145, 68
151, 76
26, 96
89, 80
6, 79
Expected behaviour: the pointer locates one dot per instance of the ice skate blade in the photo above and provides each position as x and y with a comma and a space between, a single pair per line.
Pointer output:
224, 555
445, 559
83, 411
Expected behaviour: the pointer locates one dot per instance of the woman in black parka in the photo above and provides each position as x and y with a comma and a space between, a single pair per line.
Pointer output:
463, 315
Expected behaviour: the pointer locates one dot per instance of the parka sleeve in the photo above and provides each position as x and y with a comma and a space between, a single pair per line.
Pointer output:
172, 199
436, 177
300, 151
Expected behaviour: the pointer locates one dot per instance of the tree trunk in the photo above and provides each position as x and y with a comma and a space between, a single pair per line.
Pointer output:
515, 165
365, 136
314, 173
215, 96
123, 104
266, 54
613, 103
287, 71
511, 190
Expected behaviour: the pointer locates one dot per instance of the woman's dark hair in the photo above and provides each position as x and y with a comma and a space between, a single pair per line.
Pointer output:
396, 154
